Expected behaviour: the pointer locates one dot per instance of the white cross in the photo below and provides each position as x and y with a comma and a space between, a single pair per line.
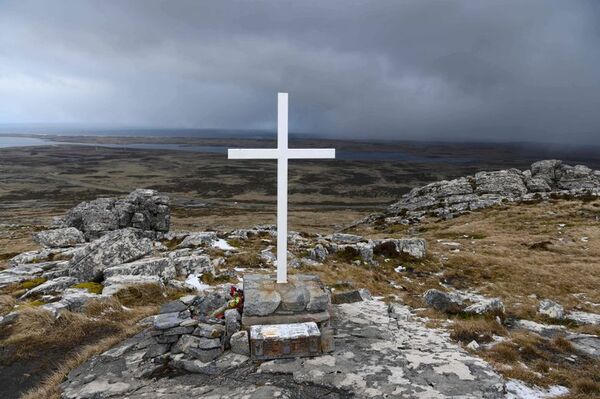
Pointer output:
282, 153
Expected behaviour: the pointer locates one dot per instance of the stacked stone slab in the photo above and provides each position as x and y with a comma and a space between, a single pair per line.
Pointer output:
184, 331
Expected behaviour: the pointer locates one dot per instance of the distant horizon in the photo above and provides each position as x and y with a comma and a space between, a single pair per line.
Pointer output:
41, 129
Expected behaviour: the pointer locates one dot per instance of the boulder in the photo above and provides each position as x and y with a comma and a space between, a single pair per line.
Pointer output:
443, 301
233, 320
318, 253
142, 209
415, 248
58, 238
551, 309
486, 306
114, 248
200, 239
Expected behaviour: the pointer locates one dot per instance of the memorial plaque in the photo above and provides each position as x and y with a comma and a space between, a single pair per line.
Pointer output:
277, 341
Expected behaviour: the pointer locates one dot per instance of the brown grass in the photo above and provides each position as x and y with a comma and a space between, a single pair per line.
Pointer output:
7, 303
478, 329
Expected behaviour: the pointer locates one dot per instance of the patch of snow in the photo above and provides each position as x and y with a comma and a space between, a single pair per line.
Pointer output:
239, 269
585, 239
516, 389
194, 282
222, 244
399, 269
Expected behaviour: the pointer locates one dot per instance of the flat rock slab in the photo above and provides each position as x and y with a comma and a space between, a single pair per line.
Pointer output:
381, 352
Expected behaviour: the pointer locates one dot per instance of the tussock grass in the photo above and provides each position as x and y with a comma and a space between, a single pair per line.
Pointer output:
7, 303
480, 330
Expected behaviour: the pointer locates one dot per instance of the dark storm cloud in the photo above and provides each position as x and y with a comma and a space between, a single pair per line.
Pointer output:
491, 70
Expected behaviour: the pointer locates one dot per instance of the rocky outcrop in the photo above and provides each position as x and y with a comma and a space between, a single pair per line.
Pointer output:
461, 302
114, 248
142, 209
57, 238
447, 199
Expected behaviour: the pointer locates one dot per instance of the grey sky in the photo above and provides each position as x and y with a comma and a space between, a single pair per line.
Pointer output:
474, 69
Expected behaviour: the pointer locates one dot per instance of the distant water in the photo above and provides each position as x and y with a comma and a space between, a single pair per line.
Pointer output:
20, 141
7, 142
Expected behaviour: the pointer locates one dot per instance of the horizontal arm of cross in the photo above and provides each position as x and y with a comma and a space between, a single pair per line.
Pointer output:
275, 153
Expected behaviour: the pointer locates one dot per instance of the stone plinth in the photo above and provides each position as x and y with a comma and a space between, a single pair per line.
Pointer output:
302, 299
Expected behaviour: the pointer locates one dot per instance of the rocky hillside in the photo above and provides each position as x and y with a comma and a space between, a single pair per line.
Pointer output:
501, 302
446, 199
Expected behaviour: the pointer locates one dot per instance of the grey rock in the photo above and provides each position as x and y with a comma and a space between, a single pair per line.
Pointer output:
207, 343
261, 302
350, 296
551, 309
161, 267
486, 306
319, 253
508, 183
156, 350
584, 318
198, 239
443, 301
141, 209
65, 237
173, 306
341, 238
178, 330
167, 320
415, 248
240, 343
545, 330
232, 321
56, 285
205, 355
193, 264
114, 248
209, 330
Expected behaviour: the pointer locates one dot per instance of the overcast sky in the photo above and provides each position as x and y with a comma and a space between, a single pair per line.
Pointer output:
474, 69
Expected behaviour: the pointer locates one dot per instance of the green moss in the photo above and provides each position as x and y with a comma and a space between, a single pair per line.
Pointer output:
93, 288
29, 284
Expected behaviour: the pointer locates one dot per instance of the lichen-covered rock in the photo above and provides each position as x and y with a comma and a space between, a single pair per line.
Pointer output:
341, 238
141, 209
161, 267
447, 199
199, 239
240, 343
551, 309
114, 248
318, 253
486, 306
58, 238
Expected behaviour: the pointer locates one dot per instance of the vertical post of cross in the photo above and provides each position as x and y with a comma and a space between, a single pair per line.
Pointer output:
282, 186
